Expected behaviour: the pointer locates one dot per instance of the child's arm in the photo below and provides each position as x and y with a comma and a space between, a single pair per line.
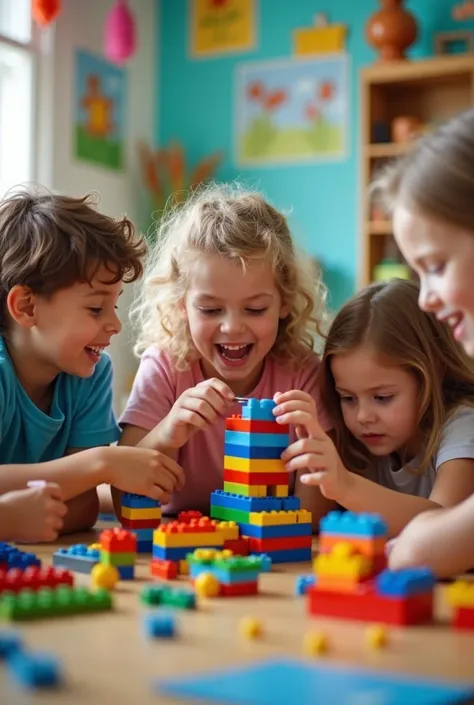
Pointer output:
35, 514
441, 539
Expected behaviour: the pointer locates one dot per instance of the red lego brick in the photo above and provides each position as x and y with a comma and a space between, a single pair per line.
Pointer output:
364, 605
186, 517
239, 547
463, 618
118, 541
195, 526
239, 589
140, 523
237, 423
279, 544
166, 570
34, 578
256, 478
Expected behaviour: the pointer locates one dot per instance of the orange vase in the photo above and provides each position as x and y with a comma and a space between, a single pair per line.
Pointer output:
391, 30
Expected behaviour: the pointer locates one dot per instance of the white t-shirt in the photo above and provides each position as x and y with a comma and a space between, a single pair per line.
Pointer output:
457, 441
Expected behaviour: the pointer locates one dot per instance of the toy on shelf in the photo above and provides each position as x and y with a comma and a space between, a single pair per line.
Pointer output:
255, 493
119, 548
229, 575
351, 580
142, 516
461, 598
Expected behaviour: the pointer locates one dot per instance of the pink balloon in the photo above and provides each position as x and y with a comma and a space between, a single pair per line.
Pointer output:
119, 33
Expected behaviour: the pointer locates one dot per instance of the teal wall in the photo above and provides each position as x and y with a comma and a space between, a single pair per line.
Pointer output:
195, 104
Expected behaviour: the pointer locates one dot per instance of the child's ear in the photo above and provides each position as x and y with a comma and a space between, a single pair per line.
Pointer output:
21, 306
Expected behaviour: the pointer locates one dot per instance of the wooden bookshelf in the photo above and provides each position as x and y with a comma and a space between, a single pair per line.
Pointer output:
432, 90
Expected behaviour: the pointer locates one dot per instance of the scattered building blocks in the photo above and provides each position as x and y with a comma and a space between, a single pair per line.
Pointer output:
12, 557
35, 670
376, 636
34, 578
105, 576
303, 582
9, 643
250, 628
53, 602
78, 558
159, 625
315, 643
165, 596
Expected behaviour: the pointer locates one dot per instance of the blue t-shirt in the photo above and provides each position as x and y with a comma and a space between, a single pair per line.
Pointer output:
81, 415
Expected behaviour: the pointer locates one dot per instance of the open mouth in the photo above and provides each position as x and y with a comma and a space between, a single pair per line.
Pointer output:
94, 352
234, 355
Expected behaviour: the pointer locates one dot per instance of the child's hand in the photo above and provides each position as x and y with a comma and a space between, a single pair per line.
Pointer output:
313, 450
143, 471
32, 515
195, 409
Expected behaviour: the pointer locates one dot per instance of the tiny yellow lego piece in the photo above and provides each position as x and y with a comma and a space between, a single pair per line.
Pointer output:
207, 585
281, 491
250, 628
95, 546
228, 530
104, 576
461, 594
343, 561
183, 567
231, 462
376, 636
315, 643
141, 514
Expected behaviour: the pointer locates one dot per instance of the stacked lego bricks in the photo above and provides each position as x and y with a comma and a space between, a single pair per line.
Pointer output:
119, 548
350, 579
256, 492
461, 598
221, 573
142, 516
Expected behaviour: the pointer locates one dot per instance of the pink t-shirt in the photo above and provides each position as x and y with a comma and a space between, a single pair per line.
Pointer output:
156, 388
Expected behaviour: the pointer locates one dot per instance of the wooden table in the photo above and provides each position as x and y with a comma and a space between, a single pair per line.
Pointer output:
108, 660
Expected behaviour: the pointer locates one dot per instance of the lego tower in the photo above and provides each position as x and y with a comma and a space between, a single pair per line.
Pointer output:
255, 493
140, 515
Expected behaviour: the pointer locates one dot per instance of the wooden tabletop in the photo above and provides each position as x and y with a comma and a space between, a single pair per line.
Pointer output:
108, 660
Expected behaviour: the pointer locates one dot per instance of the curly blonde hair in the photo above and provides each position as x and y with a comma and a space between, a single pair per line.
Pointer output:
241, 227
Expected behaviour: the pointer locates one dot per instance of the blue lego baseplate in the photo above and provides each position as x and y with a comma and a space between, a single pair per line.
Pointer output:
261, 440
138, 501
12, 557
284, 681
351, 524
258, 410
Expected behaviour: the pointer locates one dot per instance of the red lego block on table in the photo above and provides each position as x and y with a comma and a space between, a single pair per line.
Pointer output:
365, 605
463, 618
237, 423
239, 547
256, 478
238, 589
279, 544
34, 578
194, 526
139, 523
166, 570
118, 541
186, 517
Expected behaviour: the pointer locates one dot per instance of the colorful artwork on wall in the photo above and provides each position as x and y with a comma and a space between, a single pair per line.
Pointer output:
221, 26
99, 111
292, 111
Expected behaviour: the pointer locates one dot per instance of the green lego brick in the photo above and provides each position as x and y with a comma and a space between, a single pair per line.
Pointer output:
166, 596
117, 559
227, 514
53, 602
233, 564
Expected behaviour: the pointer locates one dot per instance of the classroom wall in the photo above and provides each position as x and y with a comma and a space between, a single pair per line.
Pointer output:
195, 104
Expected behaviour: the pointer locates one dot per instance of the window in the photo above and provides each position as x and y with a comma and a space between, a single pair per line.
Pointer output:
17, 63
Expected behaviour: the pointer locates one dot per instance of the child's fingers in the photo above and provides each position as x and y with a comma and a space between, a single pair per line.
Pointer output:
295, 405
314, 478
174, 469
310, 461
303, 445
222, 389
292, 395
201, 408
303, 418
57, 507
211, 397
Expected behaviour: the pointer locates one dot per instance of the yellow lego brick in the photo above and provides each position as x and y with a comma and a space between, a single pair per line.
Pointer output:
253, 465
303, 516
461, 594
96, 546
319, 40
183, 567
228, 530
189, 540
343, 562
141, 514
272, 518
281, 491
245, 490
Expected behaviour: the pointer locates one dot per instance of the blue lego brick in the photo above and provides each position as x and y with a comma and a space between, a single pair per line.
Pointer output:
219, 498
35, 670
256, 452
126, 572
291, 503
107, 517
281, 681
262, 440
137, 501
159, 624
294, 555
9, 643
143, 534
226, 577
303, 582
278, 531
402, 583
144, 546
175, 554
13, 557
351, 524
259, 410
78, 564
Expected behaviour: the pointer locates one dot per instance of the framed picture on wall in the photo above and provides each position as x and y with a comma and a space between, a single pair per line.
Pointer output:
291, 111
221, 27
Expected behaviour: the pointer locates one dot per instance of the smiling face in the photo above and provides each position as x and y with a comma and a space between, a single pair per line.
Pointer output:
443, 258
233, 315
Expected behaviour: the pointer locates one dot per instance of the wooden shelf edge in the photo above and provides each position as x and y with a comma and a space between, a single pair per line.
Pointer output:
379, 227
385, 149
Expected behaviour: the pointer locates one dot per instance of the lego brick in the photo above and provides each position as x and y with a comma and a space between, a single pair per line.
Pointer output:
183, 567
174, 554
137, 501
461, 594
239, 547
302, 583
294, 555
255, 452
202, 525
54, 602
223, 560
117, 559
164, 569
276, 530
226, 514
364, 605
463, 618
118, 541
245, 490
280, 681
187, 516
228, 530
144, 547
239, 589
10, 641
279, 544
12, 557
139, 524
402, 583
78, 564
141, 514
299, 516
165, 596
257, 466
261, 440
237, 423
351, 524
269, 479
281, 491
33, 578
219, 498
225, 577
189, 541
259, 410
126, 572
343, 562
291, 503
35, 670
338, 584
159, 625
144, 534
367, 546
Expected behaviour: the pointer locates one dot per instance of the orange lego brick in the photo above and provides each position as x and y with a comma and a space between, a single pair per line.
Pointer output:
237, 423
166, 570
118, 541
368, 547
256, 478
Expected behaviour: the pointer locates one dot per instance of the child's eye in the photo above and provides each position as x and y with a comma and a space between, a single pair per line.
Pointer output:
436, 269
256, 311
95, 310
209, 311
383, 398
346, 399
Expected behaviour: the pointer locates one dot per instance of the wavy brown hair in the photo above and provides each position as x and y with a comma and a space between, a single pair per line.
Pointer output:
49, 242
387, 318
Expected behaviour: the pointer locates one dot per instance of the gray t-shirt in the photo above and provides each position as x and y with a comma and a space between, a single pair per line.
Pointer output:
457, 441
